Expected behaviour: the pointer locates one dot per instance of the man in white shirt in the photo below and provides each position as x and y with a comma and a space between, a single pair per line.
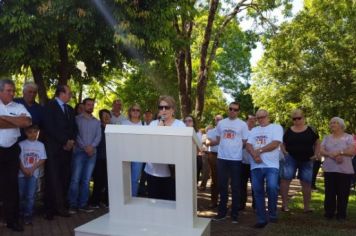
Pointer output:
13, 116
263, 146
232, 134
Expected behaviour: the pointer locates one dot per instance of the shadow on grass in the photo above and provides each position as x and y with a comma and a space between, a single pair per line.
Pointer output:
296, 222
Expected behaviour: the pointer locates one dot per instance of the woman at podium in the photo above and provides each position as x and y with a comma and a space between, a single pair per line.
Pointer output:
160, 177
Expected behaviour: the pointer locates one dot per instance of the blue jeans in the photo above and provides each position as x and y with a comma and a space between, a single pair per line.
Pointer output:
229, 169
305, 169
27, 191
259, 176
82, 169
136, 168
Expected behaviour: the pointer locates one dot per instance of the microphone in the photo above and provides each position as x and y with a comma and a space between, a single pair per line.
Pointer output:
163, 119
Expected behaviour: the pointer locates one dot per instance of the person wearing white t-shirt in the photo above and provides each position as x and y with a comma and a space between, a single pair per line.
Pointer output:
213, 160
134, 114
160, 177
13, 116
232, 134
263, 146
32, 157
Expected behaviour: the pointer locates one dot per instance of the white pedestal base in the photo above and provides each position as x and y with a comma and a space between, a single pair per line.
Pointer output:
104, 226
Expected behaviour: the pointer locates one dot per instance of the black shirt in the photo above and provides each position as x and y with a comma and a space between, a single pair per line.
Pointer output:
300, 145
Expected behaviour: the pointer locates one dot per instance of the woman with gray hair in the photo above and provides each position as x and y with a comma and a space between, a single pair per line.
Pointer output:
338, 150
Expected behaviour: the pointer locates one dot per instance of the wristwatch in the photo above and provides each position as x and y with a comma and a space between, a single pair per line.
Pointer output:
341, 152
260, 150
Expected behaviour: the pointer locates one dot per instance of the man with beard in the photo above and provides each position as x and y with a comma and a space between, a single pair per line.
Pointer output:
84, 158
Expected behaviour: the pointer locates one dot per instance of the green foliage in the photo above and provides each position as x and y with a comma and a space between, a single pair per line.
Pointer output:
311, 64
30, 31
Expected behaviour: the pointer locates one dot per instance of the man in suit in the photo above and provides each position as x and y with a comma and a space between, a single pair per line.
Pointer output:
60, 131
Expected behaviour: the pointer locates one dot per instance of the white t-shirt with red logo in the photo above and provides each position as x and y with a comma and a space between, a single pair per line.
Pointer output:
231, 133
262, 136
31, 153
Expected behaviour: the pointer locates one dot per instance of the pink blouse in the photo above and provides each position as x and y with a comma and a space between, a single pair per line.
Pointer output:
331, 144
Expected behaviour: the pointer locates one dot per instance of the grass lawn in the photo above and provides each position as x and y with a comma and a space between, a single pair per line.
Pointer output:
296, 222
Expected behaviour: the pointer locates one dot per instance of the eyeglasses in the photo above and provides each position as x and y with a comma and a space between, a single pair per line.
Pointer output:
297, 118
260, 117
164, 107
188, 120
233, 109
138, 110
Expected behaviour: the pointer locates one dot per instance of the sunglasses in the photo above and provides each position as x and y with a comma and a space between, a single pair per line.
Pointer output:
260, 117
188, 120
138, 110
164, 107
297, 118
233, 109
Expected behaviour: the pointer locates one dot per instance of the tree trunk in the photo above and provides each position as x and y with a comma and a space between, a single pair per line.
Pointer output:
181, 73
183, 63
42, 90
203, 69
63, 67
188, 79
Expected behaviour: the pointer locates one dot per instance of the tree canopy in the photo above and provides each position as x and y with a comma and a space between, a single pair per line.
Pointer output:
192, 50
311, 64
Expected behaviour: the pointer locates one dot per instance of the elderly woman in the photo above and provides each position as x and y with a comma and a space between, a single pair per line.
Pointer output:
301, 147
134, 118
338, 149
160, 179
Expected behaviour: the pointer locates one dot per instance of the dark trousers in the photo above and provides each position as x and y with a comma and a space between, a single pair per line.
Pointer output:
9, 189
245, 176
212, 159
199, 166
142, 188
100, 179
316, 167
57, 180
161, 187
229, 170
337, 191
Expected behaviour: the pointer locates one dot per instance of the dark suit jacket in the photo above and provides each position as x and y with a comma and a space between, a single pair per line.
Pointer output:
58, 128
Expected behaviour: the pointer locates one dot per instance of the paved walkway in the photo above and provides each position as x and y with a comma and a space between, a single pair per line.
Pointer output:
62, 226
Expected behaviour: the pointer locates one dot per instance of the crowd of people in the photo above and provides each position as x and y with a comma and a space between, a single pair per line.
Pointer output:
68, 146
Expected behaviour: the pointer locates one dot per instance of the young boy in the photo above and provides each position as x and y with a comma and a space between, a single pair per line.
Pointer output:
32, 156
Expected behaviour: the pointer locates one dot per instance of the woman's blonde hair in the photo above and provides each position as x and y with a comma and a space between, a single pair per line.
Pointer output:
130, 108
297, 111
168, 99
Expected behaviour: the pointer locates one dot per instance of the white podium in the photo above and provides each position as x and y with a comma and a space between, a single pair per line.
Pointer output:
144, 216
